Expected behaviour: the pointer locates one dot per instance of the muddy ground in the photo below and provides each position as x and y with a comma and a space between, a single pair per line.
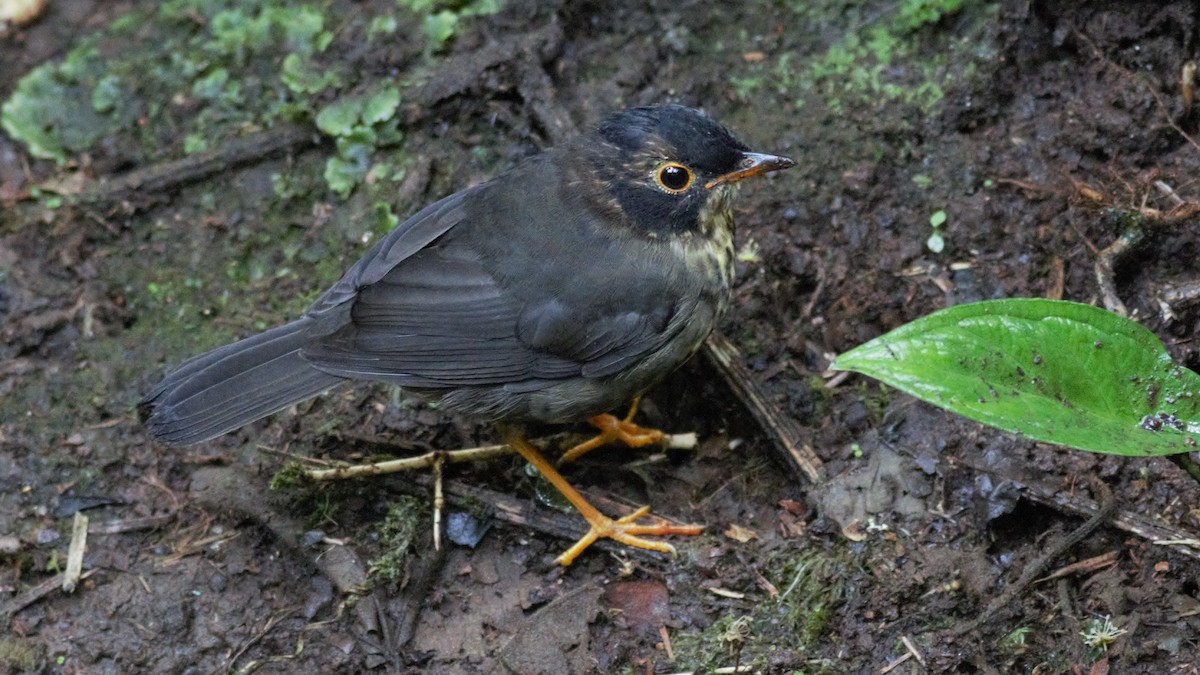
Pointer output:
1045, 131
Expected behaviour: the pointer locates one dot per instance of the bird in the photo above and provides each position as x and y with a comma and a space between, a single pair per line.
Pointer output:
555, 292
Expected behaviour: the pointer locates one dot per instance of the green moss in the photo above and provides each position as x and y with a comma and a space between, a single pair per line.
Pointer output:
18, 655
441, 18
167, 73
896, 56
292, 475
811, 585
44, 114
875, 399
324, 507
405, 518
360, 125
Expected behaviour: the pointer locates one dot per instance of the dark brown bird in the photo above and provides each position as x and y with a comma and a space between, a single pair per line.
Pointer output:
557, 291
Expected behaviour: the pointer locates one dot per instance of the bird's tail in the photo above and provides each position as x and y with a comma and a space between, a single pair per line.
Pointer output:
221, 390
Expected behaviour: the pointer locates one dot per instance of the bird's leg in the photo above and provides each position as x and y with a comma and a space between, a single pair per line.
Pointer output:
614, 429
624, 530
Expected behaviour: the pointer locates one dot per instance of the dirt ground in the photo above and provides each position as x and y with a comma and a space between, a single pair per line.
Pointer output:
1044, 131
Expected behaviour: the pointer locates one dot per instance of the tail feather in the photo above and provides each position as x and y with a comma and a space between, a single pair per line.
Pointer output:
231, 386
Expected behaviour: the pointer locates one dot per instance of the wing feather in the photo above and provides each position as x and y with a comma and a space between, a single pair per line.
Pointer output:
427, 308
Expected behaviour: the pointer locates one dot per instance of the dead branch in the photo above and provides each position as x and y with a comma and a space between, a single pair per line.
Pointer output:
779, 427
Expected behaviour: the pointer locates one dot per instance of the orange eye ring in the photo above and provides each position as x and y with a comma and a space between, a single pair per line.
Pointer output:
674, 178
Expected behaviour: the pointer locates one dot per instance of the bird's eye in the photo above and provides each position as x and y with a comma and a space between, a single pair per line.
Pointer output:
674, 177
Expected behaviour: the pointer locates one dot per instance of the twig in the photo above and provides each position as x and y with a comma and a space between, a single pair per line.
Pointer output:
685, 441
775, 423
131, 524
1169, 193
822, 279
272, 621
79, 533
439, 501
895, 664
1104, 269
666, 642
1091, 564
912, 649
425, 461
1162, 105
34, 594
721, 670
195, 168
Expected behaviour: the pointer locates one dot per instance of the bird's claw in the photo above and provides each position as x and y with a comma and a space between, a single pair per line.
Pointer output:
613, 429
627, 531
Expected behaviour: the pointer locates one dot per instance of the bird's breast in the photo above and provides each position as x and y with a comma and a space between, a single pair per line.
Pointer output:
710, 253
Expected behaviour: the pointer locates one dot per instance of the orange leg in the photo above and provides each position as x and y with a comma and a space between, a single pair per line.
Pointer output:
624, 530
613, 429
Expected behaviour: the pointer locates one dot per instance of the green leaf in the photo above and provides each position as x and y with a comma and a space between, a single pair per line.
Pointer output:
340, 117
302, 76
44, 112
441, 26
936, 243
344, 172
382, 105
210, 86
1059, 372
383, 25
303, 25
107, 94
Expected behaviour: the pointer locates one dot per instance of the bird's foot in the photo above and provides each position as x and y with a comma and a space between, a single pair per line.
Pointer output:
627, 531
614, 429
624, 530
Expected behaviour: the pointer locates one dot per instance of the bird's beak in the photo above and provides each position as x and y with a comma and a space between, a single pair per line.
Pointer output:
752, 164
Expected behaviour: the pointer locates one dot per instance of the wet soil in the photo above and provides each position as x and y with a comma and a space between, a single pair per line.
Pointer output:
1044, 131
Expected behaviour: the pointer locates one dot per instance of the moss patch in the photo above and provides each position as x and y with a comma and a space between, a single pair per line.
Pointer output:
881, 56
811, 587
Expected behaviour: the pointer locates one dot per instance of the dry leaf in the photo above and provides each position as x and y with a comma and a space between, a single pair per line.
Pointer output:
740, 534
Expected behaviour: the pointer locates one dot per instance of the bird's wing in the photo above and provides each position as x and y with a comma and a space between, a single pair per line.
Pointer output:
424, 310
439, 319
409, 237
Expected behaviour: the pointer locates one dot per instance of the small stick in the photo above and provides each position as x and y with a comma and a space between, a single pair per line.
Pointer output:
163, 176
1135, 523
774, 422
912, 649
131, 524
8, 609
425, 461
895, 664
1104, 269
429, 460
1169, 193
666, 642
79, 533
1094, 563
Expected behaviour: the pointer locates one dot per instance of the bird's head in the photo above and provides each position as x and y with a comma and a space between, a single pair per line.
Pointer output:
671, 168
